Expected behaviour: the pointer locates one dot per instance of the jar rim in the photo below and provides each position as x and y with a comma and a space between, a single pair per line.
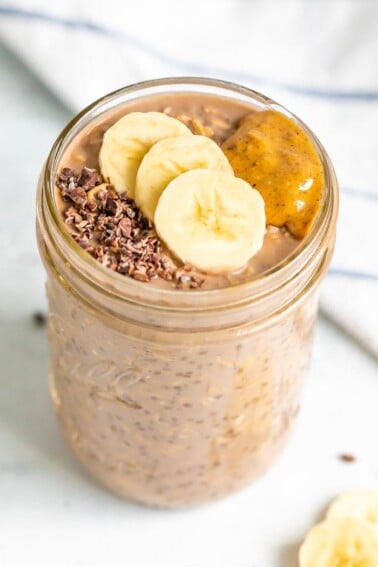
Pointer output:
129, 289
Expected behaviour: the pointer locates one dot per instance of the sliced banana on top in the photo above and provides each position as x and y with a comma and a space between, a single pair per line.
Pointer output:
169, 158
361, 504
125, 143
211, 219
340, 542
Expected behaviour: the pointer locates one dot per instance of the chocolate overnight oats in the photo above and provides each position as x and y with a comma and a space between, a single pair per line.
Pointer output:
185, 226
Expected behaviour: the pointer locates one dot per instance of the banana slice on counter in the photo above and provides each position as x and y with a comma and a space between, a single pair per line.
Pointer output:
125, 143
340, 542
169, 158
212, 220
361, 504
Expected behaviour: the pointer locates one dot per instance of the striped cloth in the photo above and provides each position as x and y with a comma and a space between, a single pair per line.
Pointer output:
318, 58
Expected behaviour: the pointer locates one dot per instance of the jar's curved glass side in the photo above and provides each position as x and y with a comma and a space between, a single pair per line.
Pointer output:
174, 425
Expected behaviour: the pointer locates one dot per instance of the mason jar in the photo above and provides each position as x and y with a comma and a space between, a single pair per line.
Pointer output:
171, 397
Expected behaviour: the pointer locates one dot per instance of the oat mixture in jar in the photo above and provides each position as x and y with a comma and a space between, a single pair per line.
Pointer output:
182, 293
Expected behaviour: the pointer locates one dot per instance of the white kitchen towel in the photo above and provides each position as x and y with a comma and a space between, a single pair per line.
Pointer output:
318, 58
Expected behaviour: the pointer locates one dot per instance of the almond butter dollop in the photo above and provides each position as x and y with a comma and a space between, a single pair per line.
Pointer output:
272, 153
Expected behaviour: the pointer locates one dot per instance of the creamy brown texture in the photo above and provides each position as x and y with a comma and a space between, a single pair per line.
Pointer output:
169, 414
173, 419
215, 117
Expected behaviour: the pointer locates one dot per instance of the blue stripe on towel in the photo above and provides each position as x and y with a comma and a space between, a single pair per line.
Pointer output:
341, 272
359, 194
336, 94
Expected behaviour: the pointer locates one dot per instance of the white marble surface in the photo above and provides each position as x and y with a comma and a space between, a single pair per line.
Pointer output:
50, 513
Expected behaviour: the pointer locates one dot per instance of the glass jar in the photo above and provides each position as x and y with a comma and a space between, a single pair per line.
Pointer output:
170, 397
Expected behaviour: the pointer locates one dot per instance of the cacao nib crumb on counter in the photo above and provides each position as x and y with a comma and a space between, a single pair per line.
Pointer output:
347, 458
109, 226
39, 319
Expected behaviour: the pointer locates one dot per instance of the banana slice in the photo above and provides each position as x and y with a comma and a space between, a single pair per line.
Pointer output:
125, 143
361, 504
341, 542
169, 158
212, 220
